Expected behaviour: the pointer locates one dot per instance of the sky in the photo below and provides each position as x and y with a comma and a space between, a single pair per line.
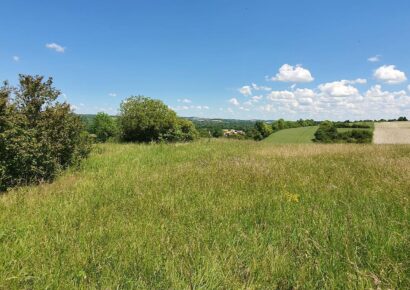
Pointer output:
219, 59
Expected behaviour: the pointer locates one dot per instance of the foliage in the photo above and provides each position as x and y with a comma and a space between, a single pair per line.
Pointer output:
282, 124
210, 215
147, 120
328, 133
38, 136
404, 119
104, 127
263, 130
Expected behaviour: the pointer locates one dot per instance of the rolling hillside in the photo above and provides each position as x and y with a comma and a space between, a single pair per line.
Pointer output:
211, 215
292, 136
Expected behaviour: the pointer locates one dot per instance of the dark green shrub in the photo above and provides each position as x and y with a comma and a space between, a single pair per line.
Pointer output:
263, 130
145, 120
38, 136
326, 133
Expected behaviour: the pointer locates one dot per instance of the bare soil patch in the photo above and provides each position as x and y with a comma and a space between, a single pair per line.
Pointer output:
392, 133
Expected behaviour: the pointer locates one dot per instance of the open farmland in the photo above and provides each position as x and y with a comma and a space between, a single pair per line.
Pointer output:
219, 214
293, 136
392, 133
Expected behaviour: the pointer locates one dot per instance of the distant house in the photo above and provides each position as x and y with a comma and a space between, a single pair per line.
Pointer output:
232, 132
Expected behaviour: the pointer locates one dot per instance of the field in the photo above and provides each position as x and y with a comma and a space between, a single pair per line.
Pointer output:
219, 214
341, 130
392, 133
292, 136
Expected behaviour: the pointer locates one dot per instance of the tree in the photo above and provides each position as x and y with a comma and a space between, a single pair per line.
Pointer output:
38, 136
263, 129
402, 119
144, 119
104, 127
326, 133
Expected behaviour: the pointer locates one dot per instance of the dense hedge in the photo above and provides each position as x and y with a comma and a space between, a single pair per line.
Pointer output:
327, 133
38, 136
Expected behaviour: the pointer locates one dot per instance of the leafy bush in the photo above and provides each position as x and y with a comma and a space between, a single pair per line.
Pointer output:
38, 136
262, 130
326, 133
356, 136
145, 120
104, 127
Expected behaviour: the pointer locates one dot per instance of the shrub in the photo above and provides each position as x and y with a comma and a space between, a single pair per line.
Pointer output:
262, 130
104, 127
326, 133
145, 120
38, 136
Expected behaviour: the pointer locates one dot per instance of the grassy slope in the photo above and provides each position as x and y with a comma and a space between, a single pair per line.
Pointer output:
293, 136
228, 214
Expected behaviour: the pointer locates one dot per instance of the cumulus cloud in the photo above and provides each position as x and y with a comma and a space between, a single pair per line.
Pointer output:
16, 58
296, 74
234, 101
338, 89
389, 74
56, 47
112, 94
375, 58
246, 90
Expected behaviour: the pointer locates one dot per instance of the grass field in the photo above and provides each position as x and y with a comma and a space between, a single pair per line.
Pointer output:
224, 214
292, 136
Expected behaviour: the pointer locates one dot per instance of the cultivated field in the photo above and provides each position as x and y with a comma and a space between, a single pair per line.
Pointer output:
292, 136
220, 214
392, 133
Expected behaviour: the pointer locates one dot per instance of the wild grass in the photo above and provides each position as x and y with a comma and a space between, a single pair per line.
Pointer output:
219, 214
300, 135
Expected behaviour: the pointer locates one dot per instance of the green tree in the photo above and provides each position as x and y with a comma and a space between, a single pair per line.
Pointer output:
104, 127
326, 133
38, 136
144, 119
263, 129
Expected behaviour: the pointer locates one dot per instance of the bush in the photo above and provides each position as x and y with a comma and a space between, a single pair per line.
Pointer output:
104, 127
38, 136
326, 133
146, 120
262, 130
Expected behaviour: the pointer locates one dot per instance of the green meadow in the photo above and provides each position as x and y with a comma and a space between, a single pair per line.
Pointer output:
221, 214
293, 136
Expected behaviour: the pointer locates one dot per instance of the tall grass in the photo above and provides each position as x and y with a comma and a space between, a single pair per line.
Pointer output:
219, 214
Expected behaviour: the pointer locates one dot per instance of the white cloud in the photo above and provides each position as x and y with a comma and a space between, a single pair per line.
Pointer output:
280, 95
408, 88
112, 94
389, 74
358, 81
375, 58
56, 47
234, 101
16, 58
246, 90
186, 101
260, 88
338, 89
296, 74
256, 99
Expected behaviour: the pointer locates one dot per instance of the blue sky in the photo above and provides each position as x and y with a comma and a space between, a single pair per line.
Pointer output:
232, 59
